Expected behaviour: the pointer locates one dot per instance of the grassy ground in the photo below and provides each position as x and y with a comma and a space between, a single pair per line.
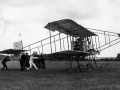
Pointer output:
58, 77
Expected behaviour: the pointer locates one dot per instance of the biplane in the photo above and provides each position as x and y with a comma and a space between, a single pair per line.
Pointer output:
75, 42
80, 39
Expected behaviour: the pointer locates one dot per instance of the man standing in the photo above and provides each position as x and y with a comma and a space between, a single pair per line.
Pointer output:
42, 61
22, 61
4, 62
27, 57
38, 60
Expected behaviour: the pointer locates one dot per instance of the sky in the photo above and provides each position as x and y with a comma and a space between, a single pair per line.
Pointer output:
28, 18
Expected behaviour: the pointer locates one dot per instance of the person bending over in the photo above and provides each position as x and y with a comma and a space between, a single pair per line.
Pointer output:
4, 62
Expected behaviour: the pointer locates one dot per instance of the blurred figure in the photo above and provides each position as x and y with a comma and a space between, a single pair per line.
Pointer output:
22, 61
4, 62
31, 62
37, 61
27, 57
42, 61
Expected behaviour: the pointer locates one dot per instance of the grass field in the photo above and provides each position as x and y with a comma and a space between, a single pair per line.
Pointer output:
58, 77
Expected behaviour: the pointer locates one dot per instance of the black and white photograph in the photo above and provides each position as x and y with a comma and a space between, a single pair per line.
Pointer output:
59, 44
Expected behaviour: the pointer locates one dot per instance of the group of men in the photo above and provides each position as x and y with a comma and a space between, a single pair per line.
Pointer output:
28, 62
34, 61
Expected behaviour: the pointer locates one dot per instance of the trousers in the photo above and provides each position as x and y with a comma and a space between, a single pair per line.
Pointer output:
32, 65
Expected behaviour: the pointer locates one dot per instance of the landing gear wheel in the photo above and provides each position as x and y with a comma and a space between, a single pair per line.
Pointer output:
89, 66
81, 68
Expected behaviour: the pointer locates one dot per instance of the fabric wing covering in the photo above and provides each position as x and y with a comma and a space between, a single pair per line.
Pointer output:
12, 51
69, 27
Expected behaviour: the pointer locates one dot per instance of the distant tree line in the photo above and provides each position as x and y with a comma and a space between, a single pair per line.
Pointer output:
66, 58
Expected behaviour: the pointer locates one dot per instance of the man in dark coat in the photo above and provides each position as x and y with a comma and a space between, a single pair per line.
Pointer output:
37, 61
27, 57
4, 62
22, 61
42, 61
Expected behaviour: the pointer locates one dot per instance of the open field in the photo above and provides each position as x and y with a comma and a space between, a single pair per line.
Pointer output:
58, 77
